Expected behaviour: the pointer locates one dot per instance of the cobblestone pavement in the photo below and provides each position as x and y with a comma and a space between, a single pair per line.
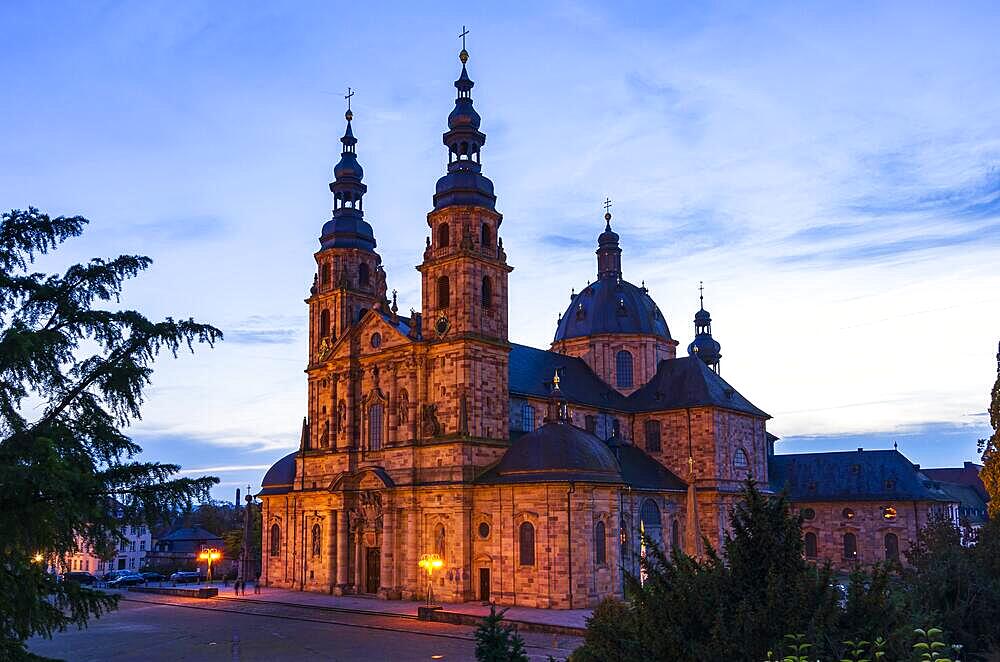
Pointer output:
154, 627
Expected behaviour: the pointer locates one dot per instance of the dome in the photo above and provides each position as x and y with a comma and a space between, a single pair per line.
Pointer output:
348, 167
706, 348
612, 305
557, 451
464, 115
702, 316
463, 187
280, 476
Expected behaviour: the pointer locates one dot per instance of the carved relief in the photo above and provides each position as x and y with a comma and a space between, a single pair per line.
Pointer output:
431, 425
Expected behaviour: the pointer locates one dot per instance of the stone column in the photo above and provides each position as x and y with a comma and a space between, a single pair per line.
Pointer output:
393, 407
414, 400
359, 561
387, 579
351, 422
334, 414
331, 548
343, 539
412, 555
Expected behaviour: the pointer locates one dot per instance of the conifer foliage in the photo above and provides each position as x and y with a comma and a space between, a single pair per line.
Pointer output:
496, 642
72, 374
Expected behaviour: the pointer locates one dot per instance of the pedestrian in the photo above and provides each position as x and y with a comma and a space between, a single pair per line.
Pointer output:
243, 587
236, 587
256, 585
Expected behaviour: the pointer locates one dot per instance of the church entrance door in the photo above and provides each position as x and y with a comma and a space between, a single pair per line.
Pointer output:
484, 584
373, 564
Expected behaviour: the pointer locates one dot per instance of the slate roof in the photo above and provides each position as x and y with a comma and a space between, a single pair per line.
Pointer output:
612, 305
187, 539
688, 382
879, 475
972, 506
555, 452
640, 470
678, 383
968, 475
280, 477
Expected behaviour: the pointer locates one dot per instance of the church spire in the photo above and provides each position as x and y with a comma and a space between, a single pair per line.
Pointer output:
347, 228
609, 254
704, 346
464, 184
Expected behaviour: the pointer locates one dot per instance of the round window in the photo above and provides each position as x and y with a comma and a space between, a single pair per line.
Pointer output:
889, 512
376, 339
848, 513
484, 530
808, 513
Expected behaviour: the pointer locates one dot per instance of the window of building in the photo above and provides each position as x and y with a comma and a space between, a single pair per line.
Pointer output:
653, 436
484, 530
142, 545
808, 514
364, 275
443, 235
444, 292
324, 324
375, 426
324, 274
590, 423
275, 540
485, 236
600, 544
528, 418
891, 547
487, 293
526, 539
889, 513
847, 513
439, 540
810, 545
740, 460
316, 531
850, 546
623, 369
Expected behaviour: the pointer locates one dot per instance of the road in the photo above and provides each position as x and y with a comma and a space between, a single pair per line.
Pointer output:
153, 628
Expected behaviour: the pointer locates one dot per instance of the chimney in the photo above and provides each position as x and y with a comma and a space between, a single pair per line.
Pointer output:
860, 449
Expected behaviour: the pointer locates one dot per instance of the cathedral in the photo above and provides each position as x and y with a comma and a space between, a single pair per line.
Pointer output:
534, 474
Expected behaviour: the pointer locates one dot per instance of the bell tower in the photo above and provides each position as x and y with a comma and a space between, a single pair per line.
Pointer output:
465, 267
349, 277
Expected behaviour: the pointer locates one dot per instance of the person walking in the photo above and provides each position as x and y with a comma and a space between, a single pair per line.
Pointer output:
256, 585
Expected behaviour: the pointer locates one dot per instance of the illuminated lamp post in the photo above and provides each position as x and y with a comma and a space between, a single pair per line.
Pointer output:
210, 554
430, 563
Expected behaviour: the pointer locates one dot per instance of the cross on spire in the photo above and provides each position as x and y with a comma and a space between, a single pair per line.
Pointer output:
701, 294
464, 32
607, 205
350, 93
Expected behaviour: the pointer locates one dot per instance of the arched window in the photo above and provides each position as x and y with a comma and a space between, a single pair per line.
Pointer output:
675, 535
364, 275
443, 235
527, 418
653, 436
324, 273
740, 460
444, 292
850, 546
891, 547
485, 236
487, 293
590, 422
275, 540
439, 540
810, 543
375, 412
526, 539
623, 369
600, 544
316, 537
324, 324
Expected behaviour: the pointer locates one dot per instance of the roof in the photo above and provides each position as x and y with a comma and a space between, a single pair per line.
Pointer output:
641, 471
186, 533
879, 475
531, 372
556, 452
968, 474
972, 506
612, 305
280, 477
688, 382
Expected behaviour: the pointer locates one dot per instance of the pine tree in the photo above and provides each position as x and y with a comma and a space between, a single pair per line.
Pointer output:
990, 451
72, 374
496, 642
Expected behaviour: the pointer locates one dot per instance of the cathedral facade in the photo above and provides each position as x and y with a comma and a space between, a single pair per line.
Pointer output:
532, 473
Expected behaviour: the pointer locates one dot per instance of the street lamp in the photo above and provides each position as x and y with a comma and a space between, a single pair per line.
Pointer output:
430, 563
210, 554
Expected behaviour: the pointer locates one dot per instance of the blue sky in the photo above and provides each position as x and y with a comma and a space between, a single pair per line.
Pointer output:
831, 171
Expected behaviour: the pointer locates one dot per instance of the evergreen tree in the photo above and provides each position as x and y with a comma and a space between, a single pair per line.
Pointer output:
496, 642
990, 452
72, 374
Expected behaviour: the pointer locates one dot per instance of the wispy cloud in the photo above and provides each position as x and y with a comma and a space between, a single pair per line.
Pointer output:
265, 330
226, 468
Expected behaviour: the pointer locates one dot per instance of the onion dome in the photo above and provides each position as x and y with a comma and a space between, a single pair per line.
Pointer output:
464, 184
280, 477
611, 304
348, 228
704, 346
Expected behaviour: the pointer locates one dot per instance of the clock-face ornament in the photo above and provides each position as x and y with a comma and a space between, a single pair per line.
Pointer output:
376, 340
442, 325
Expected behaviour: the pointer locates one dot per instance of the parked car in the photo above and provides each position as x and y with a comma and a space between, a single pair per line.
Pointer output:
79, 577
126, 580
114, 574
184, 576
152, 576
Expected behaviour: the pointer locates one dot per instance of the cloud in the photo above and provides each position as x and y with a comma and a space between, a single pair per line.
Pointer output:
265, 330
562, 242
226, 468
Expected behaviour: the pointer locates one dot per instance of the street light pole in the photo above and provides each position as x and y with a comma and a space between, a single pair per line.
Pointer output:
430, 563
